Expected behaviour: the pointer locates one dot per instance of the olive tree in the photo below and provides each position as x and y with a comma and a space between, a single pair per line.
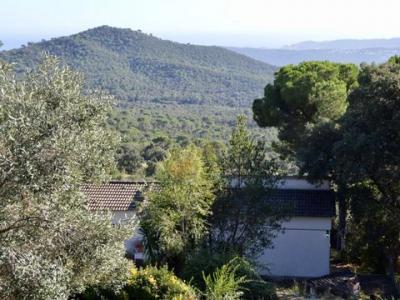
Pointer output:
52, 140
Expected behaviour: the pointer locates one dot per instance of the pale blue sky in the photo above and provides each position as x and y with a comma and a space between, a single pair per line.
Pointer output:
256, 23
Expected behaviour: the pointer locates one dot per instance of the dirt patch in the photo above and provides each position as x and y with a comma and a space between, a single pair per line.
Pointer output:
342, 283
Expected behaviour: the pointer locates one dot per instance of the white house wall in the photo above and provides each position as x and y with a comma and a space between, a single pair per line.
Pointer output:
121, 217
301, 250
301, 184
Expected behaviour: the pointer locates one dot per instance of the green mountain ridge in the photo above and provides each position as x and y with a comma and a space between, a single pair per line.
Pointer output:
138, 67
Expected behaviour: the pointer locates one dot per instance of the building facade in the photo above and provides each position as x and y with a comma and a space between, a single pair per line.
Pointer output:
301, 248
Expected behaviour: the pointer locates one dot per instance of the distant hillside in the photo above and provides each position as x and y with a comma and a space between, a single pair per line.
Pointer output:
281, 57
347, 44
137, 67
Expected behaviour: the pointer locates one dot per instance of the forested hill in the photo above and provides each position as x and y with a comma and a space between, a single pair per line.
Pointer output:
137, 67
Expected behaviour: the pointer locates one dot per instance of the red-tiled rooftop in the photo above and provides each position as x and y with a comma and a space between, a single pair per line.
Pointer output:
116, 195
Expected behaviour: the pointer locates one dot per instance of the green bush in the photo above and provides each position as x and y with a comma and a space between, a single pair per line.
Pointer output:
149, 283
224, 283
101, 294
202, 261
215, 278
254, 288
157, 283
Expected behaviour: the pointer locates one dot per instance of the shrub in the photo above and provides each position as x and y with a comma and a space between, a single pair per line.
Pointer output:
224, 283
255, 288
149, 283
202, 261
100, 294
157, 283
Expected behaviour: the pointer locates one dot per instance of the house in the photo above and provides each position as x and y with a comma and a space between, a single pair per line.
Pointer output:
301, 249
121, 198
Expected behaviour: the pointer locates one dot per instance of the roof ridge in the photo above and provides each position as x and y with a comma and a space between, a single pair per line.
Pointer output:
132, 181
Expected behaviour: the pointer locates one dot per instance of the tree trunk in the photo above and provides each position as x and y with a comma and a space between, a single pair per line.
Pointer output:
391, 269
342, 205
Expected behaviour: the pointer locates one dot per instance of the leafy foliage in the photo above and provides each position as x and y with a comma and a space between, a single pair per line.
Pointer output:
255, 287
157, 283
174, 218
359, 152
146, 284
148, 132
306, 102
224, 283
52, 140
242, 221
368, 150
368, 231
304, 95
201, 264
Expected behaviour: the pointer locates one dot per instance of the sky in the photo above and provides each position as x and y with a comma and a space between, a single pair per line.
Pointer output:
242, 23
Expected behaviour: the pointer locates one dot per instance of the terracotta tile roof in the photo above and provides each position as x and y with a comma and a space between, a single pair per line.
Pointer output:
116, 195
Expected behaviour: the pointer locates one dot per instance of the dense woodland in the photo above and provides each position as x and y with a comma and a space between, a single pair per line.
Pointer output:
136, 67
148, 132
166, 93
